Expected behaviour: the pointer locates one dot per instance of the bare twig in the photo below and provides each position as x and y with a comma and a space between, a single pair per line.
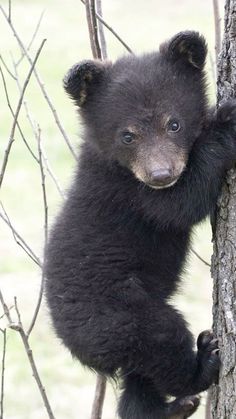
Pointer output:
208, 405
34, 129
3, 371
112, 31
93, 29
199, 257
7, 68
41, 85
4, 315
19, 328
9, 11
5, 308
45, 204
11, 139
51, 173
99, 397
18, 239
101, 31
213, 69
217, 28
32, 39
43, 187
12, 112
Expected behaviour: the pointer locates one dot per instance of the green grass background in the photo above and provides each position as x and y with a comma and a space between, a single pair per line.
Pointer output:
143, 25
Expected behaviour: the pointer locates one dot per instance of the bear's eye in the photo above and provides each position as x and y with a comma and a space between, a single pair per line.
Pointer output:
173, 126
128, 137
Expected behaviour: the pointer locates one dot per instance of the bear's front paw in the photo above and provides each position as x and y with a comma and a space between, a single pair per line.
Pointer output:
182, 407
227, 113
208, 360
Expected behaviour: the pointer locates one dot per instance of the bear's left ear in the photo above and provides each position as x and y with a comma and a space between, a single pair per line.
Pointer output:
83, 78
189, 47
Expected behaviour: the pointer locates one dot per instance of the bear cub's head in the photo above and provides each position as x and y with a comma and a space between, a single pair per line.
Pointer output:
145, 112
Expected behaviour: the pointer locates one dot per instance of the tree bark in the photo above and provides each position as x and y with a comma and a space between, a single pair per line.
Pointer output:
223, 394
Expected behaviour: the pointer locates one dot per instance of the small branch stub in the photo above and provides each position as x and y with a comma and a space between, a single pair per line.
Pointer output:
99, 397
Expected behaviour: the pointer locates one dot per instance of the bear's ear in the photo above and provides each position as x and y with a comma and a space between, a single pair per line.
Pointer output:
83, 78
188, 47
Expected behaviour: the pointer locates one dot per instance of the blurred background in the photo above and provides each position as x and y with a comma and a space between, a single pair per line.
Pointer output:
143, 25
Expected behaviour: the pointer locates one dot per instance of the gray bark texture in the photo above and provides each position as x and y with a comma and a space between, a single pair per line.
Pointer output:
223, 395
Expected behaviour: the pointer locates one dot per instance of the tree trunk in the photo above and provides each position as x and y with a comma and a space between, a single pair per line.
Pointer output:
224, 256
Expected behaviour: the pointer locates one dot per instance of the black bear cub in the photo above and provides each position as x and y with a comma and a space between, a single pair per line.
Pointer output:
150, 168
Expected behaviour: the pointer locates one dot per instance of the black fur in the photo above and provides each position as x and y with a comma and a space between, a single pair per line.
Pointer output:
118, 246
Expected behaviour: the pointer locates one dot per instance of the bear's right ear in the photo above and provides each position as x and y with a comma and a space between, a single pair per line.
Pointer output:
188, 47
83, 78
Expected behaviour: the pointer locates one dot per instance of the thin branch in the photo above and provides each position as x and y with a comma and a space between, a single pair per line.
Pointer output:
11, 139
12, 112
45, 204
33, 127
6, 68
208, 405
99, 397
199, 257
32, 39
41, 85
101, 31
19, 328
213, 69
3, 315
93, 29
217, 20
5, 308
18, 239
49, 170
112, 31
3, 372
9, 11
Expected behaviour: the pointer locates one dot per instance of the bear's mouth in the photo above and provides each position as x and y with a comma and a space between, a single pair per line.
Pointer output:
163, 185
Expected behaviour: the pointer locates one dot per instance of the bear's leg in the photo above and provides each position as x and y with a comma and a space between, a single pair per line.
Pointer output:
166, 353
140, 400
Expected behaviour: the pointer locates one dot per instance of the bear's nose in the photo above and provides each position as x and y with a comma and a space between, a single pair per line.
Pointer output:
161, 176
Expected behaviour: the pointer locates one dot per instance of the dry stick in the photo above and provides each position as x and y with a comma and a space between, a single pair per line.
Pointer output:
12, 112
32, 39
95, 29
99, 397
19, 240
89, 23
41, 85
11, 139
111, 30
6, 68
9, 10
19, 328
217, 28
30, 119
15, 77
3, 315
96, 51
199, 257
45, 205
49, 170
3, 372
213, 69
101, 31
92, 28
